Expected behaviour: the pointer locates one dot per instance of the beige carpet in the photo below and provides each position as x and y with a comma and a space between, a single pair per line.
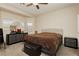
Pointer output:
16, 50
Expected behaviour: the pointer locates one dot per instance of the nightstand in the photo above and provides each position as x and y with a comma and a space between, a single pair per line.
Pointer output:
71, 42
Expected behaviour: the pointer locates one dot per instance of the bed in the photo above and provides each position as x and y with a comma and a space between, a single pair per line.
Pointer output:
49, 41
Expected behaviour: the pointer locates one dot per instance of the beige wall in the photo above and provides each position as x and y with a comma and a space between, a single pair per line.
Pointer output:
65, 19
0, 17
7, 18
0, 12
14, 17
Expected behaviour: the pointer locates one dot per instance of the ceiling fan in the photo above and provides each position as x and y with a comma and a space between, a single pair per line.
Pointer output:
35, 4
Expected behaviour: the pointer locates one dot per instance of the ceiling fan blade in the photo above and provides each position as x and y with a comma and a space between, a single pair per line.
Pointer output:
29, 4
43, 3
37, 6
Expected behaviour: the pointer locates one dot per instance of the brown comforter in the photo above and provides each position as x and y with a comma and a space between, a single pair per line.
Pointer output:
48, 41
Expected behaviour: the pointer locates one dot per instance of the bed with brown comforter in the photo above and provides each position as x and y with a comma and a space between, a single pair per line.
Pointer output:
50, 42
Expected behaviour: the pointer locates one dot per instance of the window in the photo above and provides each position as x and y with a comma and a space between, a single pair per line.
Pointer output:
29, 27
29, 24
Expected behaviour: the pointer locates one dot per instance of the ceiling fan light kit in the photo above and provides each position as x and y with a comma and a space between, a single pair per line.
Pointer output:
35, 4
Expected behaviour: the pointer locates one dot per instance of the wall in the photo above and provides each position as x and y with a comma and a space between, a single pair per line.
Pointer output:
8, 18
0, 12
65, 19
0, 17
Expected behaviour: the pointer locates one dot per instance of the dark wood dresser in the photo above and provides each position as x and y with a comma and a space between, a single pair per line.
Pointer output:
71, 42
14, 38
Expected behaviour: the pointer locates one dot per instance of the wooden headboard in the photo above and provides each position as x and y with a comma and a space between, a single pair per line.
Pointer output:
60, 31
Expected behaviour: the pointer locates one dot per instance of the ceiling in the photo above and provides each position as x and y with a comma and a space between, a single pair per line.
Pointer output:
43, 8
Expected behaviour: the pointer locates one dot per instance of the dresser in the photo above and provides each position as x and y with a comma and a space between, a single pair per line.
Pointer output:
14, 38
